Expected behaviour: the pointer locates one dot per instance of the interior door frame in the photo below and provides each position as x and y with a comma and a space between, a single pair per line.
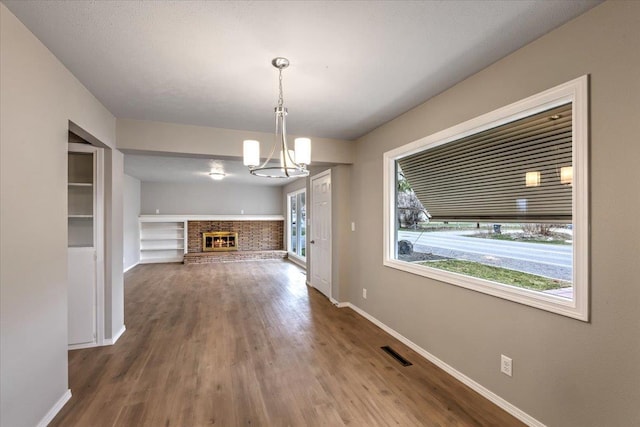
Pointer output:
310, 220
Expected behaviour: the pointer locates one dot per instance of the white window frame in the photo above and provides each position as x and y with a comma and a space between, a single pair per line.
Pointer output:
576, 92
289, 222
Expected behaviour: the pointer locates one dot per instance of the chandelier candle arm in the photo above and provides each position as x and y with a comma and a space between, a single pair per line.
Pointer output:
293, 163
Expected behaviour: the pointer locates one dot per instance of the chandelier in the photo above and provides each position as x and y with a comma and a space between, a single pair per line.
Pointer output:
293, 163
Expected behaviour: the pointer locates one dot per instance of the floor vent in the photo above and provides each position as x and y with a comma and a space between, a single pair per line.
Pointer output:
396, 356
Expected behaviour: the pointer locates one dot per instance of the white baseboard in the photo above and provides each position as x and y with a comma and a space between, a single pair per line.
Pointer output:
115, 338
108, 341
130, 267
83, 345
339, 304
296, 260
478, 388
51, 414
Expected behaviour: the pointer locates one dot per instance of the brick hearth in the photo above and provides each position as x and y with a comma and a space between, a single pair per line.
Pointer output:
215, 257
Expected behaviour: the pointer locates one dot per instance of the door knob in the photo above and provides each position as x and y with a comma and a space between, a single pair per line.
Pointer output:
313, 241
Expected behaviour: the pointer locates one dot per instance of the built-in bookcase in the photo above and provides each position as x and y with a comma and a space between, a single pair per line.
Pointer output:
81, 196
162, 240
85, 236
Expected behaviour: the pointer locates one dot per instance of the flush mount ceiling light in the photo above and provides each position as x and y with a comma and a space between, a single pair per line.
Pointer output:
217, 176
293, 163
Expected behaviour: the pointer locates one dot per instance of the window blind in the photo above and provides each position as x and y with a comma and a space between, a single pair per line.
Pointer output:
482, 177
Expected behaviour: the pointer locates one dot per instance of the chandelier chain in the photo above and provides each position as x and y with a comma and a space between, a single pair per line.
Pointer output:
280, 96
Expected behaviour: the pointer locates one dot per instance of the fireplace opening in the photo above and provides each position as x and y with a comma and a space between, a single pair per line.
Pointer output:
219, 241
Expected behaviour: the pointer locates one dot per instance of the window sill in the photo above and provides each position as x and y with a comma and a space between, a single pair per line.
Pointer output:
541, 300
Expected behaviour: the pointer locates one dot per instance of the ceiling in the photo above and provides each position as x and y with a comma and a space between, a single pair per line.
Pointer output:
154, 168
354, 65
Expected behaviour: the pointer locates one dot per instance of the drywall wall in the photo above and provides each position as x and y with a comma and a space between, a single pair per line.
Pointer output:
566, 372
114, 277
214, 198
39, 97
340, 229
130, 223
138, 136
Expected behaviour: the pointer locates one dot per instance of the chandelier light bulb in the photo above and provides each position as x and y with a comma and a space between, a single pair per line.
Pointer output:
303, 151
251, 151
566, 175
532, 179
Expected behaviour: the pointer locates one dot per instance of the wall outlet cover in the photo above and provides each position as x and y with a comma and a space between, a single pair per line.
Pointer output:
506, 365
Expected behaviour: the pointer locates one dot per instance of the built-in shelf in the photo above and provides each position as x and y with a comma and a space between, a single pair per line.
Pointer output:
162, 248
162, 240
81, 198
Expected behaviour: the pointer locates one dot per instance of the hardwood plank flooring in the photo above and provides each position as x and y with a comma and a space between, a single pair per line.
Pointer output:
250, 344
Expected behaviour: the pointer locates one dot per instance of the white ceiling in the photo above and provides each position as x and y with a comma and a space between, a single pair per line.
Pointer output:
191, 170
354, 65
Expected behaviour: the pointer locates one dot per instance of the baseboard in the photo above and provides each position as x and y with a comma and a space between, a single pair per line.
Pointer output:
51, 414
297, 261
130, 267
108, 341
339, 304
115, 338
478, 388
83, 345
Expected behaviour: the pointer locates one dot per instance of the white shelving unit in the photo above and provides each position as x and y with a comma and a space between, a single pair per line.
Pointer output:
85, 261
162, 240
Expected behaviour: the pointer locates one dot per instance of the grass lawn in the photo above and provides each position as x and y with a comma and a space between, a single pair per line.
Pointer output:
556, 239
497, 274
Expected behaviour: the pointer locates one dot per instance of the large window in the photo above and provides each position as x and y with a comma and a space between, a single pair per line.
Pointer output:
498, 204
297, 220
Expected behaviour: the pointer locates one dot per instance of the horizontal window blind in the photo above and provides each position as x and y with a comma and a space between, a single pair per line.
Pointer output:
482, 177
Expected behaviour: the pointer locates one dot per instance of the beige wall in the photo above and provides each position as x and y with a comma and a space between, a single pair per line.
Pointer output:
38, 98
114, 277
131, 225
212, 198
341, 233
159, 137
566, 372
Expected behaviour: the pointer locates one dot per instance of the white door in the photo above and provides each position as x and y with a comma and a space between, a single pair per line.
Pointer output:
321, 233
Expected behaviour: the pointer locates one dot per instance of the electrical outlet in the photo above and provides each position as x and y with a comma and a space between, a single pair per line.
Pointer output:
157, 211
364, 293
353, 226
506, 365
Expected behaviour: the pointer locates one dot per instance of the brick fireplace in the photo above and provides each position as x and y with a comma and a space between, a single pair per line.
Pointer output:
256, 240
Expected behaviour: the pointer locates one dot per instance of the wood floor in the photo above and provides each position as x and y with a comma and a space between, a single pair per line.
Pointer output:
250, 344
